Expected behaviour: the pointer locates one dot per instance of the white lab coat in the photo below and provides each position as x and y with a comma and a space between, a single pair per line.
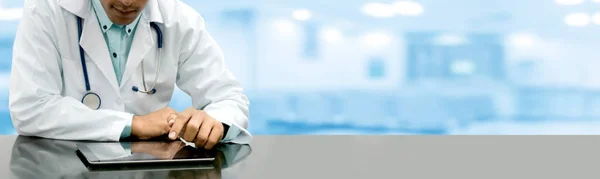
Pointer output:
47, 83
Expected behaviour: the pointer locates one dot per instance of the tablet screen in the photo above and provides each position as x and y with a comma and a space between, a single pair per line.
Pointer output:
150, 151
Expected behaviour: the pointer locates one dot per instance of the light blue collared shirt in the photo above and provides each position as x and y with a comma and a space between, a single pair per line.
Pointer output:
119, 39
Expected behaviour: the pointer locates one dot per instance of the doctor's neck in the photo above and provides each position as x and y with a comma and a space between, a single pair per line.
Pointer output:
123, 12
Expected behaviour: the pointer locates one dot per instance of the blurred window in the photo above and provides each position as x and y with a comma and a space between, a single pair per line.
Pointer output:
310, 47
443, 56
240, 18
5, 54
376, 68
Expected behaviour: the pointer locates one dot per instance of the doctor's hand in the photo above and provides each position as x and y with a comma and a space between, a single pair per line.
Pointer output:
153, 125
198, 127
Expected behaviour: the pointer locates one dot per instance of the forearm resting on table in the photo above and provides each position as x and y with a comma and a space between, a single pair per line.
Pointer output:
65, 118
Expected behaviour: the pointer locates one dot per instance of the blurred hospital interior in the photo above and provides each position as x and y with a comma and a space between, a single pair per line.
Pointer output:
398, 66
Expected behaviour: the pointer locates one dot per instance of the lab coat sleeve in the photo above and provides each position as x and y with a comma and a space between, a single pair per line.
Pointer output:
36, 105
202, 75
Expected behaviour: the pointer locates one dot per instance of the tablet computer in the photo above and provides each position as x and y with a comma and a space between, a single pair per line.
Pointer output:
144, 154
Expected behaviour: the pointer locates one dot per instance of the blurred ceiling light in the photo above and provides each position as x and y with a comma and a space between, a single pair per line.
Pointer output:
376, 40
302, 14
10, 14
285, 27
596, 1
462, 67
332, 35
408, 8
596, 18
378, 10
577, 19
450, 40
522, 40
569, 2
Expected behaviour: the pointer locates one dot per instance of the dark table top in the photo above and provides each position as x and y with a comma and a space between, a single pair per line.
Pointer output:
345, 157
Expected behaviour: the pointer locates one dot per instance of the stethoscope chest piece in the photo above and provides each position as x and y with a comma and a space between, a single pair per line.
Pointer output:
92, 100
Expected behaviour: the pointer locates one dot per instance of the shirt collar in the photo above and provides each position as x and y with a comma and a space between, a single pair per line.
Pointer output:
106, 24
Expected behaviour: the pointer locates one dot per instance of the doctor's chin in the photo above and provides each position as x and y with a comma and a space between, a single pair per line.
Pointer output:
307, 67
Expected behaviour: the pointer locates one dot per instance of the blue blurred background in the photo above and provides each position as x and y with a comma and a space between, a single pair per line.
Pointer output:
399, 67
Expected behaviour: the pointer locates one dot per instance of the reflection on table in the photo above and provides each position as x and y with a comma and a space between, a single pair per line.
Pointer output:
46, 158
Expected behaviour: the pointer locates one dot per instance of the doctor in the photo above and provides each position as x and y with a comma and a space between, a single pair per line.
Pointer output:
105, 70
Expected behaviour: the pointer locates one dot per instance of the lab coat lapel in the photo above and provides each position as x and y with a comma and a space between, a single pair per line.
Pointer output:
143, 41
95, 47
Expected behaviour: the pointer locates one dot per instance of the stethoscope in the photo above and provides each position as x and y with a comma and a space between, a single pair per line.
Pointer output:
91, 99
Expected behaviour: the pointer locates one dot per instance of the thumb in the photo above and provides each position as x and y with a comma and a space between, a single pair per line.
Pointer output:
180, 121
166, 129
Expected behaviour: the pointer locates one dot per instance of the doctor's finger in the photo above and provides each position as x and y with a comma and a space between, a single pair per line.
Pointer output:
171, 119
215, 135
180, 122
192, 127
203, 134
